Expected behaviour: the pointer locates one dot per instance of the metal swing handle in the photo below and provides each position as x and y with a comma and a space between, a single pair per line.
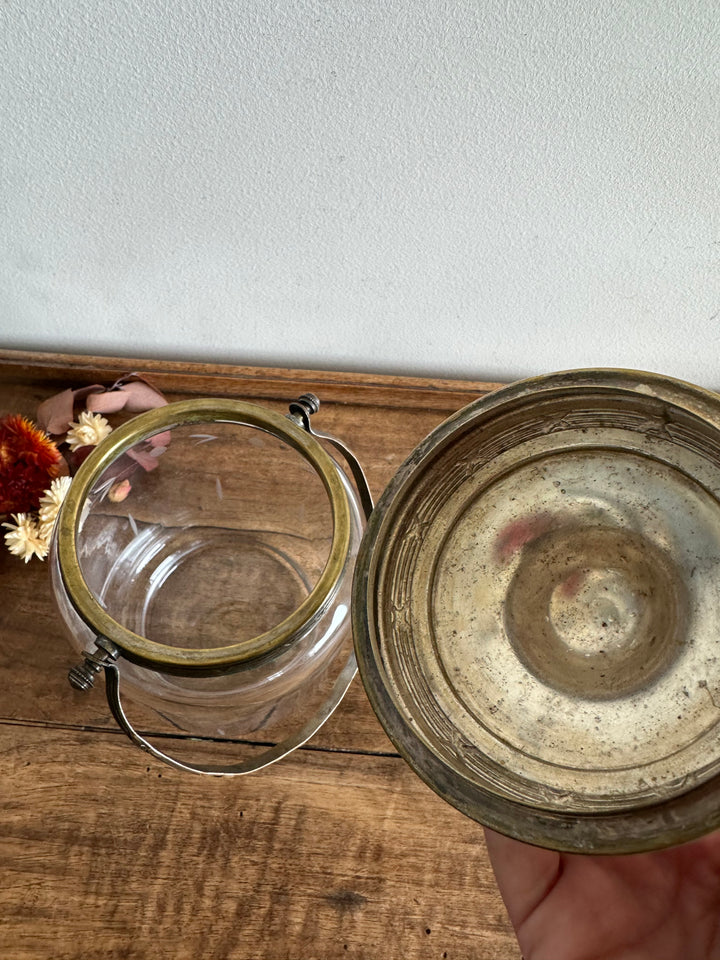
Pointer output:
104, 657
300, 412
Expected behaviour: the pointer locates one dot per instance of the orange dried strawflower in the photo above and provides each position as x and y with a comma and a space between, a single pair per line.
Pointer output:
29, 460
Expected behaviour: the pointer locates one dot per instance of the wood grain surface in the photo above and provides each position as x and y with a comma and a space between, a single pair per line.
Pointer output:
336, 851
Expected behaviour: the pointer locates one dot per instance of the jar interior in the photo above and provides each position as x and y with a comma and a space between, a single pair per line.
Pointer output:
205, 535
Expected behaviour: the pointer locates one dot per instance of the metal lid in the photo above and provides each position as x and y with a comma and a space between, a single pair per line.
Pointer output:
537, 611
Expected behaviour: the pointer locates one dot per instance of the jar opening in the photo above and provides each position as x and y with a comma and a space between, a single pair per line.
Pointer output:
204, 534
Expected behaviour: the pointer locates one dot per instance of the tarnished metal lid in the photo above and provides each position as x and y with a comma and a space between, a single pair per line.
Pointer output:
537, 611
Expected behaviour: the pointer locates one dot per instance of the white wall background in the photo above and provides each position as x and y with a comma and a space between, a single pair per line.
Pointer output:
482, 189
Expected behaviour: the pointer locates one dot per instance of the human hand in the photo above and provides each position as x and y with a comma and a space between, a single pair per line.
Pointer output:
663, 905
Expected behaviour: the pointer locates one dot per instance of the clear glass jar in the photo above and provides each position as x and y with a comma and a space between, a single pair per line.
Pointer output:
203, 558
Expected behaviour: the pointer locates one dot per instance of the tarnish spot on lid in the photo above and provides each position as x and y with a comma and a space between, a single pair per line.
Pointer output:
647, 390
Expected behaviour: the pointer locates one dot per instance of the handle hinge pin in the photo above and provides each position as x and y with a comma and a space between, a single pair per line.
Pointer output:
303, 408
82, 677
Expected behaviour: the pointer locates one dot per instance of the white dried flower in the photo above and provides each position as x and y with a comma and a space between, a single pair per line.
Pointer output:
50, 503
23, 538
90, 429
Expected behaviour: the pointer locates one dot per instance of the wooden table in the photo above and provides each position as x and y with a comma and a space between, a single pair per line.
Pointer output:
337, 851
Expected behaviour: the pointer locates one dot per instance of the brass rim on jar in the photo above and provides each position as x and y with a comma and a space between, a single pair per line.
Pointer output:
396, 627
186, 659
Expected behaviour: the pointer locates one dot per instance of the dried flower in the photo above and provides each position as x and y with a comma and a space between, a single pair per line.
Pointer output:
34, 473
28, 461
50, 504
23, 538
119, 491
90, 429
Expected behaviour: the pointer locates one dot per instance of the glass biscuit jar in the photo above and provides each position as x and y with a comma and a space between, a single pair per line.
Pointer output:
203, 560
